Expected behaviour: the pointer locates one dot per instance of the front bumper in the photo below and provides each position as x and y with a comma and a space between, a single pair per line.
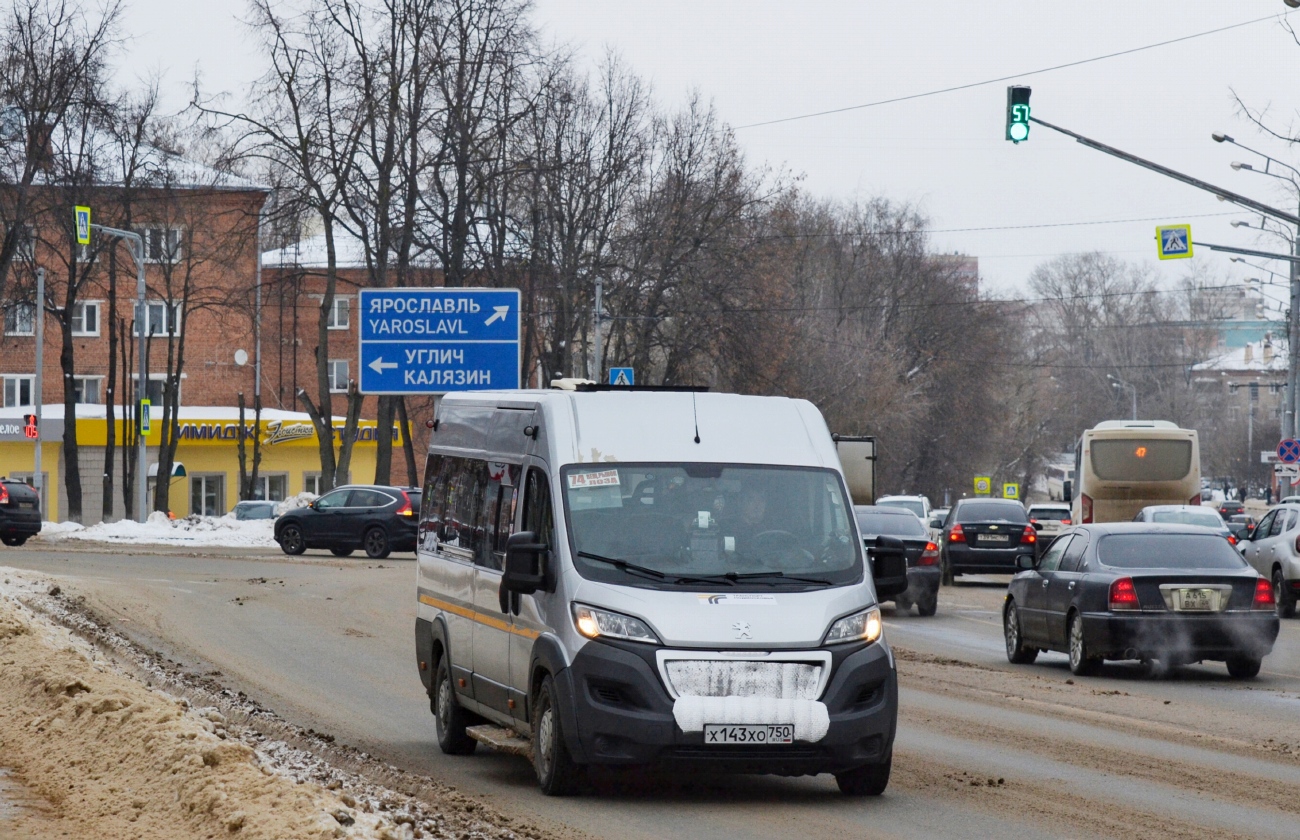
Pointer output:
624, 715
1188, 637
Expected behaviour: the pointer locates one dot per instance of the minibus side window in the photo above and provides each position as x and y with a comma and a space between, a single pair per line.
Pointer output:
503, 520
463, 524
537, 507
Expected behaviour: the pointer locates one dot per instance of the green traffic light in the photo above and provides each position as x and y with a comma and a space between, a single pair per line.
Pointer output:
1018, 132
1018, 113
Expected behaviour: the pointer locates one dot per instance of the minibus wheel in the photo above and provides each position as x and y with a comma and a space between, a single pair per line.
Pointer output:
557, 773
867, 780
449, 719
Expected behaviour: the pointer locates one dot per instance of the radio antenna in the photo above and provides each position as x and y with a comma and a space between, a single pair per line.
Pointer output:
695, 411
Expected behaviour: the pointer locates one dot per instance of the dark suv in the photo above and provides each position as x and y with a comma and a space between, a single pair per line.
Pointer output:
376, 518
20, 512
985, 536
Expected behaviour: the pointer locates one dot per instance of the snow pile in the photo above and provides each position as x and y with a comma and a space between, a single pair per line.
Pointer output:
294, 502
810, 718
221, 531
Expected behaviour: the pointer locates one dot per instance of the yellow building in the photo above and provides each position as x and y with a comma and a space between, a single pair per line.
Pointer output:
206, 476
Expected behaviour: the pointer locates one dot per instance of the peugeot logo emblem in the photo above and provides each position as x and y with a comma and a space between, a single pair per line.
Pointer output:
742, 630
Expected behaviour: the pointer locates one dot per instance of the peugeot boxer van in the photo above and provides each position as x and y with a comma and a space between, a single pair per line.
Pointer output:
646, 576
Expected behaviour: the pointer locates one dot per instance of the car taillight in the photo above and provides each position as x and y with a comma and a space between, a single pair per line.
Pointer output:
1029, 536
1264, 599
1065, 522
1123, 596
929, 557
405, 509
4, 495
957, 534
1085, 508
1195, 500
1032, 520
1233, 541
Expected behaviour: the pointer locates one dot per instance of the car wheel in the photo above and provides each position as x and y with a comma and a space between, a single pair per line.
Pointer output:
1244, 667
929, 603
1018, 653
449, 719
291, 541
1285, 604
341, 552
1081, 664
867, 780
376, 543
946, 573
557, 772
13, 540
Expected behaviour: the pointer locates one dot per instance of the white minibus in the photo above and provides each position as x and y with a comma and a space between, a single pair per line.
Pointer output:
1123, 466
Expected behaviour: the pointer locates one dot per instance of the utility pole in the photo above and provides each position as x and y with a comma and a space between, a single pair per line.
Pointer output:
37, 479
1293, 347
599, 318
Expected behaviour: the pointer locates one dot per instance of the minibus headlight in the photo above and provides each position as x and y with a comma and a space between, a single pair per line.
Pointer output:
864, 626
595, 624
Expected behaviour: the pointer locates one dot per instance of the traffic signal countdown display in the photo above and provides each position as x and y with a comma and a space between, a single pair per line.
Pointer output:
1018, 113
29, 426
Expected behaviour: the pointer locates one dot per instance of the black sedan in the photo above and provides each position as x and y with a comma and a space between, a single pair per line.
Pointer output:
986, 536
376, 518
20, 511
922, 554
1167, 595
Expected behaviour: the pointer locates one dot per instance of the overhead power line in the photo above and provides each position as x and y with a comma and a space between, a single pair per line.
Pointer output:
1007, 78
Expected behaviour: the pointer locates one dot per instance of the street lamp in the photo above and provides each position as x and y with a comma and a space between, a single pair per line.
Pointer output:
1119, 384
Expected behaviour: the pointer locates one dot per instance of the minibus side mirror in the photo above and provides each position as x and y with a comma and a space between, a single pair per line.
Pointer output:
1067, 491
888, 566
525, 570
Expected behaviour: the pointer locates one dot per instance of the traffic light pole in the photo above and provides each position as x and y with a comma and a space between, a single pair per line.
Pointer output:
1292, 423
38, 480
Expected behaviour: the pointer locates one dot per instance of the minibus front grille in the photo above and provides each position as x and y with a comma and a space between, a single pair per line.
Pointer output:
746, 678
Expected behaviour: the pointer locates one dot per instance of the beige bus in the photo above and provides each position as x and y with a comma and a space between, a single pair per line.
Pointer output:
1121, 466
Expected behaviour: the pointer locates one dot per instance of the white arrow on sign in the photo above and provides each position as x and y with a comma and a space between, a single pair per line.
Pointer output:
498, 314
379, 365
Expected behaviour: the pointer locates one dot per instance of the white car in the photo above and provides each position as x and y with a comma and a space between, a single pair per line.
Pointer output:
919, 505
1053, 517
1273, 552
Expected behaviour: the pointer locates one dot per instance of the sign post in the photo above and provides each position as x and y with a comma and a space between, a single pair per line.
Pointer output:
431, 341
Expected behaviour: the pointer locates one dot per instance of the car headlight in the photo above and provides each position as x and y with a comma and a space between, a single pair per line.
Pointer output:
864, 626
595, 624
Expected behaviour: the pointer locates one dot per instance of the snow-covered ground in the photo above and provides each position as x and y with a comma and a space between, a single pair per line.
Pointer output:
220, 531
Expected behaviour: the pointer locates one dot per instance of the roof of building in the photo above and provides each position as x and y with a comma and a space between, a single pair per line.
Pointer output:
310, 252
1264, 356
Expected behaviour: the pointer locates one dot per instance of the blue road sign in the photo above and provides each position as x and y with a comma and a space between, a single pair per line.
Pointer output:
1174, 242
431, 341
1288, 451
622, 376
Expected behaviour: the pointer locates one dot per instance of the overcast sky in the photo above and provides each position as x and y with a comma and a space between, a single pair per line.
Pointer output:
761, 60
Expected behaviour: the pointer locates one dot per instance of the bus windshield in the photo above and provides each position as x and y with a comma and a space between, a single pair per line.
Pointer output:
688, 525
1141, 459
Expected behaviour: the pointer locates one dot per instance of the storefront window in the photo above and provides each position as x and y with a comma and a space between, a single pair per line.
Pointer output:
271, 488
207, 495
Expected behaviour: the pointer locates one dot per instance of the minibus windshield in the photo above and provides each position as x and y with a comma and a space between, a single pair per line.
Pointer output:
714, 525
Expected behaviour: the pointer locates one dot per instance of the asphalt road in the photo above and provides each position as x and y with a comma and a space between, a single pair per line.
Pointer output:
984, 748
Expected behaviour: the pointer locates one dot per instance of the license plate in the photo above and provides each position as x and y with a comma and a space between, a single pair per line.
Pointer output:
1196, 600
749, 733
997, 538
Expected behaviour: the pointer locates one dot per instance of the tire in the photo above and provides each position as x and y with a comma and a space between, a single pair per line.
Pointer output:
1081, 664
376, 544
449, 719
1285, 604
928, 604
341, 552
1018, 653
867, 780
12, 540
1244, 667
291, 540
557, 773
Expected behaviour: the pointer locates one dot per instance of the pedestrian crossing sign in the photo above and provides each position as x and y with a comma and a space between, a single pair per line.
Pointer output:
81, 216
623, 376
1174, 242
1011, 491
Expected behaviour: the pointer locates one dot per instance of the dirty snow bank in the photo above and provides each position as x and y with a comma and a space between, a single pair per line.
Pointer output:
222, 531
116, 759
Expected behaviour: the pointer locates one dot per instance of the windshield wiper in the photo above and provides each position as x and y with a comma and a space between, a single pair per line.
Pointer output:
623, 565
733, 578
